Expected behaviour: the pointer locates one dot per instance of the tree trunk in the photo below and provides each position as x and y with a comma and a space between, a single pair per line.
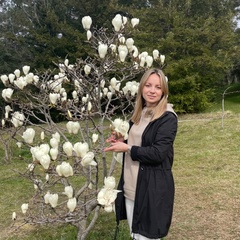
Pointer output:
82, 230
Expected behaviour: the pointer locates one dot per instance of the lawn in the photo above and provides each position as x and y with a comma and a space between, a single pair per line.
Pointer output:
207, 178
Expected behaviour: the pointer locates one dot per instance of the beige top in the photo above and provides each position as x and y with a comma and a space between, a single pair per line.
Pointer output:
131, 167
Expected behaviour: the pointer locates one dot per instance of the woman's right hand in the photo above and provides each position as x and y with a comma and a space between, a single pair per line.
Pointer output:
115, 137
117, 147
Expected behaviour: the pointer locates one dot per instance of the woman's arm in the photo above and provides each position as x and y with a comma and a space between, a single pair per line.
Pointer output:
161, 146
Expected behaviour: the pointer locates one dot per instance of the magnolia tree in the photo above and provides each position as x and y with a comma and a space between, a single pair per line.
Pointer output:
72, 179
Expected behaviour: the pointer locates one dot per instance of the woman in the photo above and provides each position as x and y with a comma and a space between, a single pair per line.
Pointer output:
146, 184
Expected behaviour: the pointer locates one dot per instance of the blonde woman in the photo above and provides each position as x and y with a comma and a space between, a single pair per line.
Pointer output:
147, 185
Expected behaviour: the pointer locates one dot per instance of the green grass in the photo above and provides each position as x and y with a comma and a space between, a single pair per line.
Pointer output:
207, 178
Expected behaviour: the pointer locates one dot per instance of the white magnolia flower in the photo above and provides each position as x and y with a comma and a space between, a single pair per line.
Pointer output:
17, 119
35, 79
68, 148
81, 149
109, 95
57, 136
56, 84
66, 62
149, 61
11, 77
4, 79
87, 69
53, 200
29, 135
45, 161
29, 78
122, 51
84, 99
117, 22
17, 73
102, 50
121, 127
115, 84
109, 182
7, 110
54, 143
142, 61
20, 82
64, 169
71, 204
26, 69
37, 153
134, 89
46, 197
42, 135
94, 137
74, 94
162, 58
134, 51
44, 148
7, 93
143, 54
155, 54
24, 207
131, 87
89, 106
113, 47
73, 127
14, 216
88, 159
106, 197
124, 20
121, 39
54, 97
105, 91
47, 177
134, 22
89, 35
68, 190
86, 22
129, 43
108, 208
54, 153
64, 97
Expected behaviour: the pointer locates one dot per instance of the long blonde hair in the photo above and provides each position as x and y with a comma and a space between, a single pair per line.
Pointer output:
161, 107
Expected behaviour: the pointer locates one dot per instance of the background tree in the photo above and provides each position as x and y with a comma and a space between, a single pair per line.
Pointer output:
199, 39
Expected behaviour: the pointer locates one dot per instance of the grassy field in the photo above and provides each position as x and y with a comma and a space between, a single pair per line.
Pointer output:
207, 178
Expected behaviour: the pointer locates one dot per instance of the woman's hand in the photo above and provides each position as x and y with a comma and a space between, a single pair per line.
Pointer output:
115, 137
117, 147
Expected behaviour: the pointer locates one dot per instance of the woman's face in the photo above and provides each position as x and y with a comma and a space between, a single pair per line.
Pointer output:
152, 91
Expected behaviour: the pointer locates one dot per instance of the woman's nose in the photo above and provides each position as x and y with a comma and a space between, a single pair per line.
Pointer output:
152, 89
